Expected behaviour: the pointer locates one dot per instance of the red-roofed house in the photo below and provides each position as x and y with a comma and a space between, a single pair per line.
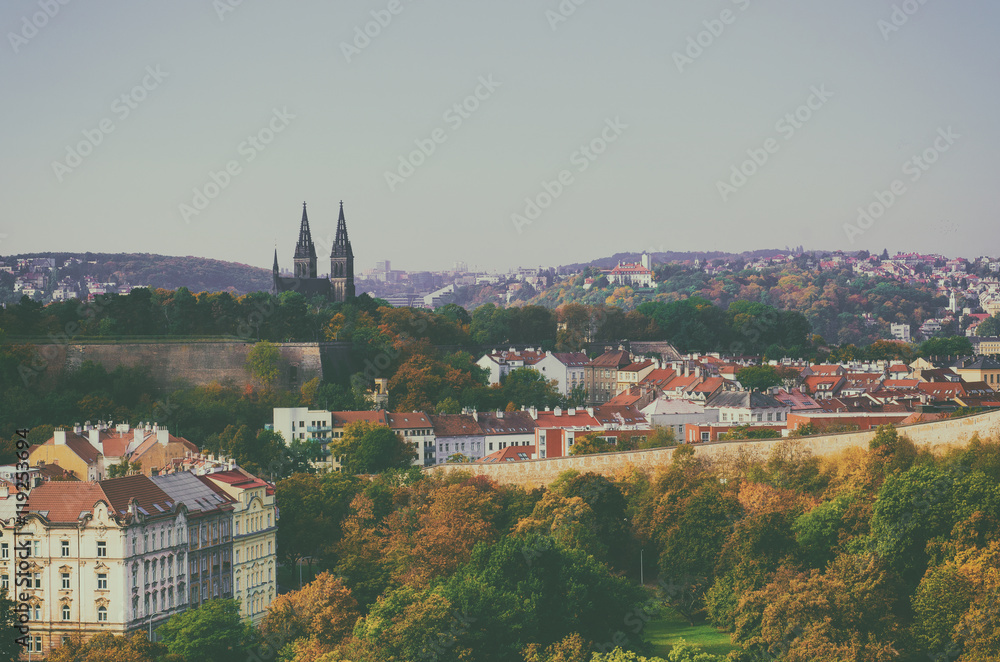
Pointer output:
103, 557
630, 274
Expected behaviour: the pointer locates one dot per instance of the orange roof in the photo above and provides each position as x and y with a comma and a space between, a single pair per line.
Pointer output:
408, 420
658, 377
580, 419
509, 454
65, 501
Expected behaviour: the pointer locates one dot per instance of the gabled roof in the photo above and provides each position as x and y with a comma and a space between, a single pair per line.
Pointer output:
455, 425
659, 377
613, 359
408, 420
744, 400
64, 501
237, 479
571, 359
619, 415
120, 491
186, 488
509, 454
710, 385
579, 419
511, 422
79, 445
667, 406
636, 366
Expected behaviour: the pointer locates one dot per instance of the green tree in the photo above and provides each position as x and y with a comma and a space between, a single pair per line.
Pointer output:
758, 377
989, 327
10, 649
214, 632
368, 448
264, 362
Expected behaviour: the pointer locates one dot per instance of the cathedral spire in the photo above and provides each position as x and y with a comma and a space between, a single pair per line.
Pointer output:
305, 247
275, 267
341, 244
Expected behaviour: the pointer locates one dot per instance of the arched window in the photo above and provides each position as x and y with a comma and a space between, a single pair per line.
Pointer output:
102, 613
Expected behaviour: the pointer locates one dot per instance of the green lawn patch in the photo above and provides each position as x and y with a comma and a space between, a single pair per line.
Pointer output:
668, 627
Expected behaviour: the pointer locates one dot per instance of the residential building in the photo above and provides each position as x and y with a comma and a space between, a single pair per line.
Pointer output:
566, 368
674, 414
101, 558
633, 373
417, 429
900, 332
506, 429
501, 362
748, 407
210, 536
601, 375
631, 274
72, 452
979, 369
457, 434
255, 530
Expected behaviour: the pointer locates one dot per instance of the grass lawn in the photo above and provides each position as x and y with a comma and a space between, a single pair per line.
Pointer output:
668, 627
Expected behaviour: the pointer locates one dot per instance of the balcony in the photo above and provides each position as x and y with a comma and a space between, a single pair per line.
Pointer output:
318, 428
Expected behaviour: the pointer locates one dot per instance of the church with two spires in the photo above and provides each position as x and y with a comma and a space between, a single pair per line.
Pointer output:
340, 284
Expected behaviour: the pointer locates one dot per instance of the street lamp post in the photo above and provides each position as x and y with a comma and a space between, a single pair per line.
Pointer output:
301, 559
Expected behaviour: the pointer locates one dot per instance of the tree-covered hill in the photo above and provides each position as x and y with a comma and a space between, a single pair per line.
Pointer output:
169, 272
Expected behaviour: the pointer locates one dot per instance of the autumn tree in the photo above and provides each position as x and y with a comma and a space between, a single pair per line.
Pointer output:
106, 647
323, 610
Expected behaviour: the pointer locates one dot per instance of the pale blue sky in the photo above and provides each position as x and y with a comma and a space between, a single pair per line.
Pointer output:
655, 187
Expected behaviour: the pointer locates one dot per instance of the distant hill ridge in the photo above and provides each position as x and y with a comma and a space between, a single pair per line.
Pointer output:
169, 272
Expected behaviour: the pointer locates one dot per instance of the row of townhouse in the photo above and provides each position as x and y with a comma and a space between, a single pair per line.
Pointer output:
472, 434
88, 451
124, 555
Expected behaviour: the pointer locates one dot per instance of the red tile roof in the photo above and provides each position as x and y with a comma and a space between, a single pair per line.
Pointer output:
408, 420
619, 415
511, 422
64, 501
455, 425
509, 454
121, 491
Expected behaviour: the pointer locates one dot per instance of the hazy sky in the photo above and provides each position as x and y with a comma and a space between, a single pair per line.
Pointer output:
332, 113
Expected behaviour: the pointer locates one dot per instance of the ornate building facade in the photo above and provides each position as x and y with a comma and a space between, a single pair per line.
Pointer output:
340, 284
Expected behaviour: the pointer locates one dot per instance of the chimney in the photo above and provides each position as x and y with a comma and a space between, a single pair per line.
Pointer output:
77, 428
60, 437
534, 413
697, 371
590, 411
162, 436
571, 411
557, 411
94, 437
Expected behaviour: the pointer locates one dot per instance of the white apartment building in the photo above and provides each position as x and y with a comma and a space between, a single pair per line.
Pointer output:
102, 557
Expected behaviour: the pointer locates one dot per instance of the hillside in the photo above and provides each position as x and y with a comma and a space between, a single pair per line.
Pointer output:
164, 271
